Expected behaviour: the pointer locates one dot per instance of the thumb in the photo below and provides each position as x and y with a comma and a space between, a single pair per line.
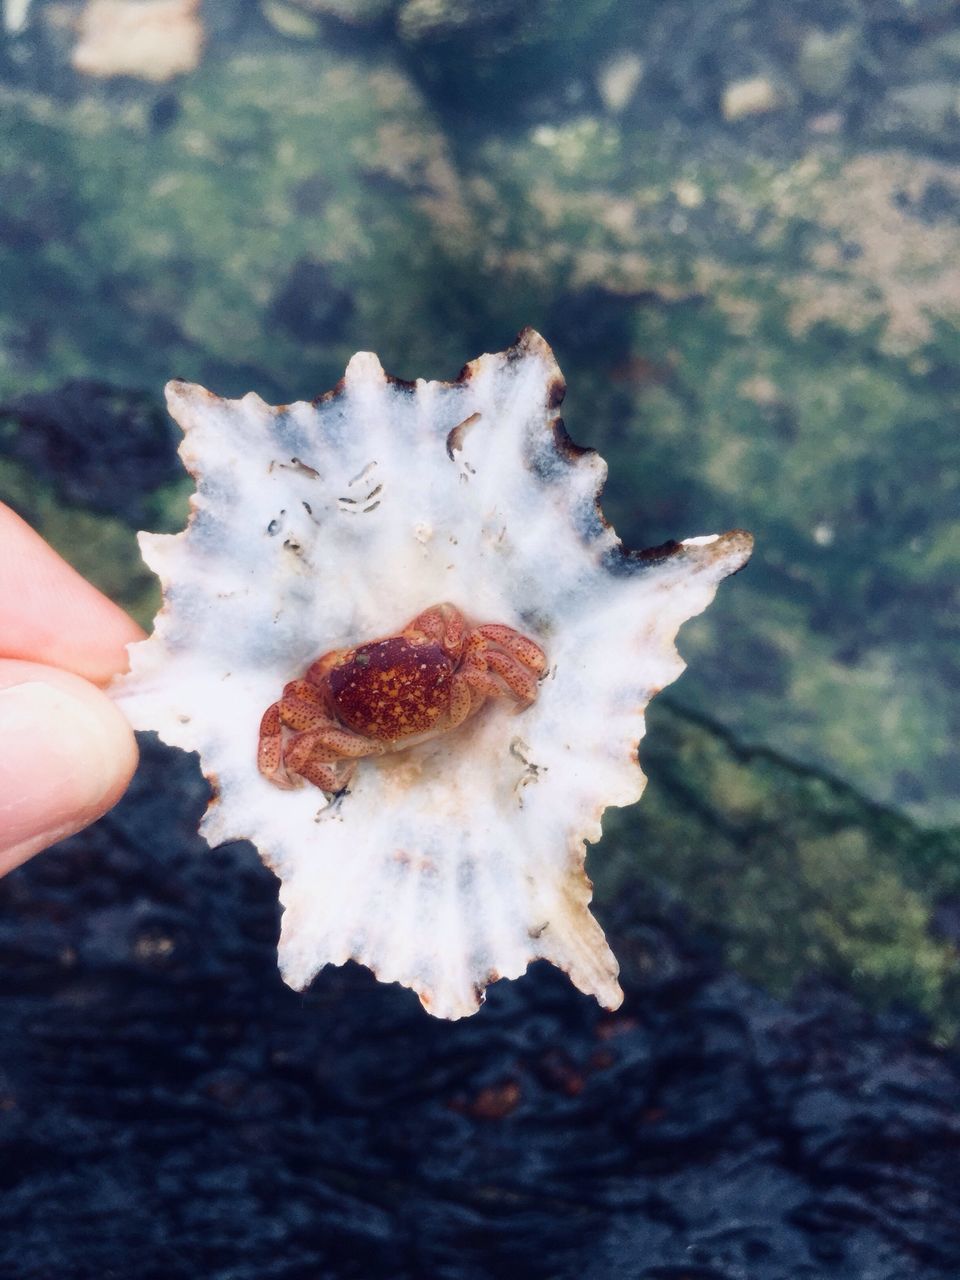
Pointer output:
66, 756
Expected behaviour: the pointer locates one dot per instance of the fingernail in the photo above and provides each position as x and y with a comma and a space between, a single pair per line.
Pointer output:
57, 764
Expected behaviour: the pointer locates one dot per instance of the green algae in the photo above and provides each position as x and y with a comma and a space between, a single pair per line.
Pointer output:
793, 870
734, 342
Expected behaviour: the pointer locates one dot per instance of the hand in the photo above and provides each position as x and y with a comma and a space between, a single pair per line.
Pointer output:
66, 752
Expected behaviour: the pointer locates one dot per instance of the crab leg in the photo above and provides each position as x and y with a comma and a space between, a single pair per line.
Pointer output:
519, 646
321, 750
328, 777
442, 623
303, 706
465, 698
327, 755
480, 660
518, 678
270, 748
334, 743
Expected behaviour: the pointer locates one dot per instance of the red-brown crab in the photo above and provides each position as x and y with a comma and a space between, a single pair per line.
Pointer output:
392, 693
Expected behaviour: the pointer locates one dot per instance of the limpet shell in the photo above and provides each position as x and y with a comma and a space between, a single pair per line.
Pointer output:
325, 524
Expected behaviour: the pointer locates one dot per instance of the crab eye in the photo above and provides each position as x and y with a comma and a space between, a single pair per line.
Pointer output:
460, 859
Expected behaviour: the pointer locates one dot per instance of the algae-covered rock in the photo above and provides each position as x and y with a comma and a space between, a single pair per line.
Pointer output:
927, 111
309, 163
826, 59
758, 324
793, 870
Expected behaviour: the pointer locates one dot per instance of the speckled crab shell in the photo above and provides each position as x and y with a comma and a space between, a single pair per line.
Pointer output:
321, 525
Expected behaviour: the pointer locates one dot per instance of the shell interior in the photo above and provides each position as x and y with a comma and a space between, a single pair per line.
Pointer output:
325, 524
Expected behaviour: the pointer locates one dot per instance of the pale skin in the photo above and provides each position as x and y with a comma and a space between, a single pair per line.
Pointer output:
66, 752
390, 694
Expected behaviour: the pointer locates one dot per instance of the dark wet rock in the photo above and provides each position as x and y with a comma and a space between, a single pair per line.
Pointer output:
310, 305
169, 1109
98, 446
939, 201
935, 58
500, 56
311, 196
164, 111
915, 13
594, 322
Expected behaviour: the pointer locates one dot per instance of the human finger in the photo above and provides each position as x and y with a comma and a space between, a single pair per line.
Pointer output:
50, 614
66, 757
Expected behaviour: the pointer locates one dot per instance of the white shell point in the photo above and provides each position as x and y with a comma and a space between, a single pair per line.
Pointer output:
316, 526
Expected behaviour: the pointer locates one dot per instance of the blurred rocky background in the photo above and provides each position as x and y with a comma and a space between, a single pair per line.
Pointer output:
738, 224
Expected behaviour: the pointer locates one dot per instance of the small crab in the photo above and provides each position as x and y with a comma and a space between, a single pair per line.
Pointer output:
393, 693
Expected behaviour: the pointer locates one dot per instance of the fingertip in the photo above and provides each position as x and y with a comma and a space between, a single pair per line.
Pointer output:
66, 756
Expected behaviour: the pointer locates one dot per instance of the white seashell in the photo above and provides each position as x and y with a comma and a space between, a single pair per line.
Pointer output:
321, 525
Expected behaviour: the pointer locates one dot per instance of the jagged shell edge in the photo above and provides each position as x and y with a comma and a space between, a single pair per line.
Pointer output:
729, 552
